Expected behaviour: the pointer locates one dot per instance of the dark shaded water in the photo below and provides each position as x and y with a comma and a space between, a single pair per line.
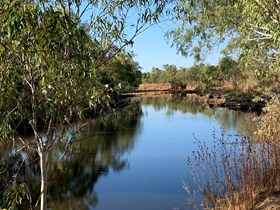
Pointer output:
135, 159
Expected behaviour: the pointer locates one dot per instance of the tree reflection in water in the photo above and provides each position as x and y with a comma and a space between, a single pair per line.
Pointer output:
228, 119
96, 150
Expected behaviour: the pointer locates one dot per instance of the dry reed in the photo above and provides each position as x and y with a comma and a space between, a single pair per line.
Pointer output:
237, 173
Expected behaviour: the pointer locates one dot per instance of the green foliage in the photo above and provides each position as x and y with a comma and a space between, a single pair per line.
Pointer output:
202, 25
168, 74
14, 196
261, 27
250, 27
207, 75
45, 65
228, 68
121, 73
51, 59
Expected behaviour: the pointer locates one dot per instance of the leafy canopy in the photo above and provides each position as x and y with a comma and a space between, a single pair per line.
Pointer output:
51, 50
250, 27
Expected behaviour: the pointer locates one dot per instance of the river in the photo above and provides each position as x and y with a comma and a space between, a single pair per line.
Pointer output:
136, 158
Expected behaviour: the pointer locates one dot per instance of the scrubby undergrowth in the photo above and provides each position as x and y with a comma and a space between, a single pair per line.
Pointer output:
241, 173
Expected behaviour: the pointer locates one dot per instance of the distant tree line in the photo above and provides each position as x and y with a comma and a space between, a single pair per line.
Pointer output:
227, 69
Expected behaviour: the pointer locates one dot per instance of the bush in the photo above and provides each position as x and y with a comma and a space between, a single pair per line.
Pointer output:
269, 129
236, 173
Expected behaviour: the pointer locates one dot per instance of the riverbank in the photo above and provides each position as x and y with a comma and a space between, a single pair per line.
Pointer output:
258, 176
221, 96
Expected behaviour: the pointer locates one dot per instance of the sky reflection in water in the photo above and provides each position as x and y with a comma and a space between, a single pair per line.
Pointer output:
133, 159
158, 160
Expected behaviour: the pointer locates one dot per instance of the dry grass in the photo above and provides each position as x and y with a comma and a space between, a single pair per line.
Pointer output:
239, 174
154, 86
234, 175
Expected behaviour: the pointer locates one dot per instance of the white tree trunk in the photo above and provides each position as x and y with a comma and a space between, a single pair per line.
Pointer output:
43, 166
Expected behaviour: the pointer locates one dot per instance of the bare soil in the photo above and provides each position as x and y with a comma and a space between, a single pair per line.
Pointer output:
154, 87
220, 96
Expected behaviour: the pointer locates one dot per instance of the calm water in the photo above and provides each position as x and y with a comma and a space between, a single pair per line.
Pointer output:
135, 159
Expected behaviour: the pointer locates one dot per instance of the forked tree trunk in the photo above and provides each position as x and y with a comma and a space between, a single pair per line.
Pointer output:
43, 166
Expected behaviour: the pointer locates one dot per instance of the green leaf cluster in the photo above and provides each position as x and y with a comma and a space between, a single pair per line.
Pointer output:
47, 68
121, 74
250, 28
55, 66
227, 70
14, 196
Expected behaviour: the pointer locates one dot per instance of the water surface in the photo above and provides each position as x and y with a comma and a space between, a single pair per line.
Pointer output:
144, 150
135, 159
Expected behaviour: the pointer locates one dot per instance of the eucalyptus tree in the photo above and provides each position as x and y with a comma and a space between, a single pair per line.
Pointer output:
229, 69
145, 78
193, 75
169, 74
121, 73
50, 51
182, 76
250, 27
155, 76
42, 81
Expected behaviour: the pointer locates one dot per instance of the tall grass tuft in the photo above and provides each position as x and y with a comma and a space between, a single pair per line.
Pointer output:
237, 173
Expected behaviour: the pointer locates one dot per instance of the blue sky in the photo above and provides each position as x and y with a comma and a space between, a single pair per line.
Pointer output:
153, 50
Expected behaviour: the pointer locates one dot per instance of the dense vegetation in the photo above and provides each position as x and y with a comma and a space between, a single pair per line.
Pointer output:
226, 70
250, 28
60, 60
